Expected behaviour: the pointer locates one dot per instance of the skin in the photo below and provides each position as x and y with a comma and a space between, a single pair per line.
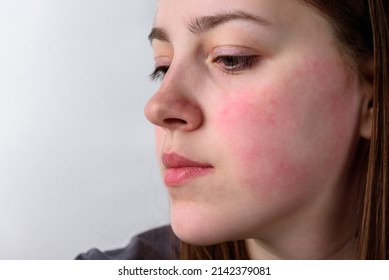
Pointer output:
280, 133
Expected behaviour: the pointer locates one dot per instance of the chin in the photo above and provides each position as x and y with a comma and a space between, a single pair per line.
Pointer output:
195, 237
199, 231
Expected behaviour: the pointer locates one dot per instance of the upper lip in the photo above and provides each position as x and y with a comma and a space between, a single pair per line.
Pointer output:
173, 160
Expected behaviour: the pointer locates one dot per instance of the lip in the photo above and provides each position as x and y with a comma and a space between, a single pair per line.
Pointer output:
180, 170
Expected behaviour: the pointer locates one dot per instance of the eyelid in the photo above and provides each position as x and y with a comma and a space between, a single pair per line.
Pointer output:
162, 60
232, 51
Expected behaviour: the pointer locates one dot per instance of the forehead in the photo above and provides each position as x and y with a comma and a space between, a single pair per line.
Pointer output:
288, 19
276, 11
285, 15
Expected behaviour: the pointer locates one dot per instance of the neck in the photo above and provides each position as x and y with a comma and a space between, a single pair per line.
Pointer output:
324, 231
301, 250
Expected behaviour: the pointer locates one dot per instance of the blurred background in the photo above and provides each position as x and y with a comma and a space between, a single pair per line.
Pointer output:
77, 159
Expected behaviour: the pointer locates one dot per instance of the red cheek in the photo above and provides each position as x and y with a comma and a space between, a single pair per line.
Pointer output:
242, 111
254, 127
250, 127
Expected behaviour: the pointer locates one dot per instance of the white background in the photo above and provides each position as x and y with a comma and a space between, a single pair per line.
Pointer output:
77, 159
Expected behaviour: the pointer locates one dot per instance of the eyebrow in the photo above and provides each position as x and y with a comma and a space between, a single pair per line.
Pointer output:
158, 34
203, 24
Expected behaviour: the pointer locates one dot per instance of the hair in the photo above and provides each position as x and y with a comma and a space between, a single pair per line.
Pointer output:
362, 31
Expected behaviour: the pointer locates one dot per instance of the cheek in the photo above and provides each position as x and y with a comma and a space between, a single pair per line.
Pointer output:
291, 131
255, 133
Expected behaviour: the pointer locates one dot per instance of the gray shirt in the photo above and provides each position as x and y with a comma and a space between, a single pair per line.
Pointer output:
156, 244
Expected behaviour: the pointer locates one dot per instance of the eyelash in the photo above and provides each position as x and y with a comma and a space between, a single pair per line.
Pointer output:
230, 64
233, 64
159, 73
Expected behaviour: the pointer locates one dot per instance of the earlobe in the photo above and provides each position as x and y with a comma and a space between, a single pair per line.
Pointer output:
366, 123
367, 109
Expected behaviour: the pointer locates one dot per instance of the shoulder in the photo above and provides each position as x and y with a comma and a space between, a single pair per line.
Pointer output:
156, 244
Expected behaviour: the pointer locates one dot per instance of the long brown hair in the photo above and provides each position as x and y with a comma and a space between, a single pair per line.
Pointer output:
362, 30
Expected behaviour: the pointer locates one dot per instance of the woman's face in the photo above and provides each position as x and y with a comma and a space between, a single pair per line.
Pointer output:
257, 118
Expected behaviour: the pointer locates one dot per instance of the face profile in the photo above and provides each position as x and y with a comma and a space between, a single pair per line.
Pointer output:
258, 119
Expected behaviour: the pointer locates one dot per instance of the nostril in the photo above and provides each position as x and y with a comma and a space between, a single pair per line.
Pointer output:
175, 121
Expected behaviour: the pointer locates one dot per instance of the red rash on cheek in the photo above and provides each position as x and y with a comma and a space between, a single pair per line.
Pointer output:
254, 128
244, 110
248, 118
291, 130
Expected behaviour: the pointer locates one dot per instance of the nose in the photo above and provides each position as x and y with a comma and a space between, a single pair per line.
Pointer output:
173, 108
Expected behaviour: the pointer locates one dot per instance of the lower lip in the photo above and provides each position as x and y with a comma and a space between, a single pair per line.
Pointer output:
179, 176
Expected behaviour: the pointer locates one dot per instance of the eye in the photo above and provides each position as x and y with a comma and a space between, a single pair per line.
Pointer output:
233, 64
159, 73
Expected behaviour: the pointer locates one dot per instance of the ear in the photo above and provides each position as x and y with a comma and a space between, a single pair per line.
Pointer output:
367, 105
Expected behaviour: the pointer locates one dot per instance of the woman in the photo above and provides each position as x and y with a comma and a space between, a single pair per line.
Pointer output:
272, 128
